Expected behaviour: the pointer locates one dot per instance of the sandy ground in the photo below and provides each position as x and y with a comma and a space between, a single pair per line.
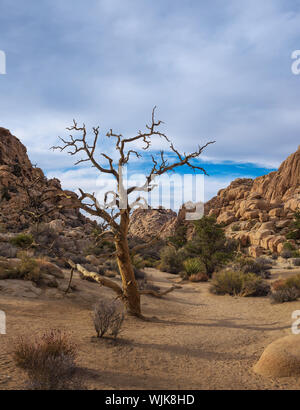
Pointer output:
198, 341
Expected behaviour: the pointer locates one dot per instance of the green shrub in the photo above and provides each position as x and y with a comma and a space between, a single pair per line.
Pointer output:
288, 246
27, 269
210, 245
235, 228
259, 266
137, 262
238, 284
171, 259
193, 266
22, 240
179, 238
295, 232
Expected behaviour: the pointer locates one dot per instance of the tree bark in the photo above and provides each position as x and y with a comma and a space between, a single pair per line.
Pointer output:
131, 295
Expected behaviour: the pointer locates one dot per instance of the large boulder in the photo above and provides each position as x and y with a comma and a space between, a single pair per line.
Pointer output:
281, 358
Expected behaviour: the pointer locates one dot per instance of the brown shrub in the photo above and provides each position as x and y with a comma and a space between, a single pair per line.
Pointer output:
199, 277
48, 360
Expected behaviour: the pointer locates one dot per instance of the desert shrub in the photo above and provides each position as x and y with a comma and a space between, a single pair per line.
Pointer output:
255, 287
296, 262
193, 266
274, 256
137, 262
210, 245
199, 277
259, 266
235, 227
107, 318
26, 269
284, 295
293, 281
22, 240
171, 259
295, 232
179, 238
238, 283
150, 262
29, 269
286, 254
48, 360
288, 246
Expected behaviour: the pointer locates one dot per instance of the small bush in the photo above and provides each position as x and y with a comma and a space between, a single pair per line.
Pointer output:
137, 261
199, 277
192, 266
284, 295
48, 360
258, 266
238, 284
22, 240
171, 259
107, 318
296, 262
236, 228
286, 254
288, 246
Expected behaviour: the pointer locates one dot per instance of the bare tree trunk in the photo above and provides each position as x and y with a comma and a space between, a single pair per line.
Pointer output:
130, 288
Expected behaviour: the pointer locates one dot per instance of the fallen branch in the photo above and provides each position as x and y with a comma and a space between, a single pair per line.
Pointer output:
84, 273
97, 278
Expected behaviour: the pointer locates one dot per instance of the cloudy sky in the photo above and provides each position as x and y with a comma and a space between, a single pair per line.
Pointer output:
217, 70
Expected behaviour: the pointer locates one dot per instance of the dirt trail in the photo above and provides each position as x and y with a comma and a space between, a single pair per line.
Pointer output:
198, 341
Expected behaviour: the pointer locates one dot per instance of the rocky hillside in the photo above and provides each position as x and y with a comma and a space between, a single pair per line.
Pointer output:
256, 212
31, 203
26, 193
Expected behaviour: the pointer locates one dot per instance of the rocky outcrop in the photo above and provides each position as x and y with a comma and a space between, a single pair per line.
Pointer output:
148, 223
258, 213
25, 191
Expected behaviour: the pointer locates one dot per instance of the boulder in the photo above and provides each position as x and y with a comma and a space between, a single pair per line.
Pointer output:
281, 358
255, 251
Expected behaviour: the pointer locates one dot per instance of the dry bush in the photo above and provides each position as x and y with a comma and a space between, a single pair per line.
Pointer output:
107, 317
199, 277
284, 295
259, 266
49, 361
237, 283
296, 262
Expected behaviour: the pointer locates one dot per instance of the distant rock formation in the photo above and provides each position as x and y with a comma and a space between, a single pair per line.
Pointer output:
258, 213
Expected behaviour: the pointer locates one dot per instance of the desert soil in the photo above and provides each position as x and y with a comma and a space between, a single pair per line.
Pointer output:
195, 340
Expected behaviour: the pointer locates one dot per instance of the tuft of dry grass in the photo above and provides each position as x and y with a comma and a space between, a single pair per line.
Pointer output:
48, 360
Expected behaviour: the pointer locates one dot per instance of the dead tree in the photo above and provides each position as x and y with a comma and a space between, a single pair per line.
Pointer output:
118, 220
